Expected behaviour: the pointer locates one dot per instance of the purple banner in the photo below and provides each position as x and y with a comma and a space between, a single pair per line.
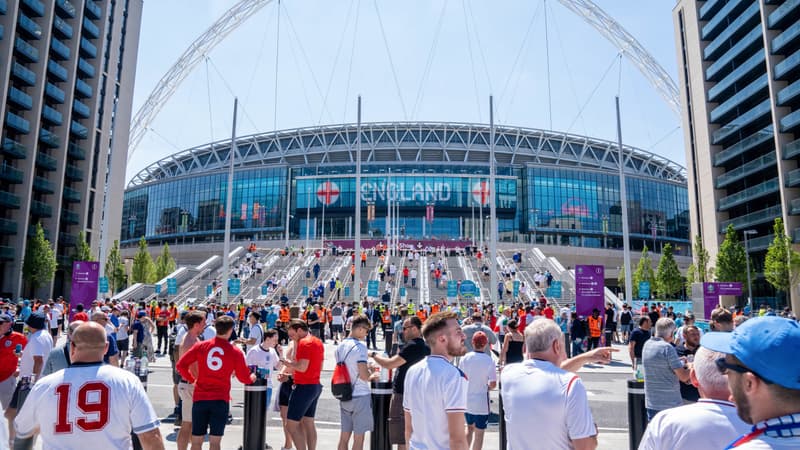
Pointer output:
589, 289
84, 284
712, 291
729, 288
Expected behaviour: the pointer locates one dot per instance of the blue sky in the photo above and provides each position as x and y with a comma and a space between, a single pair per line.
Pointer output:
437, 83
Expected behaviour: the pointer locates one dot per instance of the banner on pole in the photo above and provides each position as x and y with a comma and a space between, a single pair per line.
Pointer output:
84, 284
589, 288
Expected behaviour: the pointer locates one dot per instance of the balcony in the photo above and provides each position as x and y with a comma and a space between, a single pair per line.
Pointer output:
67, 240
41, 209
73, 173
14, 149
60, 50
736, 51
46, 162
54, 92
20, 98
6, 253
23, 74
90, 28
93, 10
69, 217
782, 13
62, 27
76, 152
88, 49
52, 116
17, 123
64, 261
763, 162
49, 139
81, 109
8, 227
793, 178
730, 32
79, 130
760, 243
65, 7
35, 6
9, 200
748, 220
790, 121
57, 70
742, 121
31, 28
751, 193
86, 68
787, 38
83, 89
25, 50
756, 88
43, 185
11, 174
71, 195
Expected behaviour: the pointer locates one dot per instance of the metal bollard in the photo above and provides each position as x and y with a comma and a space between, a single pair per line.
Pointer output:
637, 413
255, 415
381, 396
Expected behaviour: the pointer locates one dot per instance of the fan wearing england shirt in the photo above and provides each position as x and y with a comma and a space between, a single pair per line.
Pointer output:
266, 357
72, 407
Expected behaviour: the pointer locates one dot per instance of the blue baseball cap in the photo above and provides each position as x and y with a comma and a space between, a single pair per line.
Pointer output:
760, 344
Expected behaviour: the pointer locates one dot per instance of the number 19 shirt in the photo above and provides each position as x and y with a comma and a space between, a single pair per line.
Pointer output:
73, 407
216, 361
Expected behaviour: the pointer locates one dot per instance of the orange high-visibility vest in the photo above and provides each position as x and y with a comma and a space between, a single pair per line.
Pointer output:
422, 315
594, 326
387, 317
434, 308
323, 315
284, 315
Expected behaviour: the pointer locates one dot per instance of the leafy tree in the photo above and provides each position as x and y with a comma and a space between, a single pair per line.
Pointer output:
776, 263
39, 264
144, 270
701, 257
115, 270
668, 276
731, 258
644, 272
165, 264
82, 250
691, 278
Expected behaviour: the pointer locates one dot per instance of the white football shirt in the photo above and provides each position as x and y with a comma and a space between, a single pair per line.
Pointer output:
480, 370
73, 407
705, 424
39, 344
264, 359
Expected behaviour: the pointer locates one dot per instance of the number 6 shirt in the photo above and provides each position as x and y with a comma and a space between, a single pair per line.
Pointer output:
72, 408
216, 361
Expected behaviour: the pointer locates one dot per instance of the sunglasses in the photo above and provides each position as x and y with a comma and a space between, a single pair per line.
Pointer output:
724, 366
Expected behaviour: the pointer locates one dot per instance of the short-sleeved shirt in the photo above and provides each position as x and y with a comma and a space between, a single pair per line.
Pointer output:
444, 392
257, 333
538, 393
112, 350
688, 391
122, 328
470, 331
39, 344
265, 359
413, 352
310, 348
353, 352
8, 359
705, 424
480, 370
139, 329
217, 360
639, 337
661, 384
117, 407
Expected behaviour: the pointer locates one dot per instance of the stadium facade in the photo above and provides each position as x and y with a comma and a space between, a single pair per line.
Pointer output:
551, 188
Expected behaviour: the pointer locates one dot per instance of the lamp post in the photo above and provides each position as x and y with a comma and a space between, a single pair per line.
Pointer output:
747, 265
308, 212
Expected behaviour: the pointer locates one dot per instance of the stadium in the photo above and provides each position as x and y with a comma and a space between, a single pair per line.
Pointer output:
551, 188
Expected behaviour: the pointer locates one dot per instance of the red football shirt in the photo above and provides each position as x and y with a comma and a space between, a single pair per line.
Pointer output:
216, 361
309, 348
80, 316
8, 360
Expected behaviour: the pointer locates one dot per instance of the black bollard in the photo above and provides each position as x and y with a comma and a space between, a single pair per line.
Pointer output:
637, 413
381, 395
255, 415
501, 419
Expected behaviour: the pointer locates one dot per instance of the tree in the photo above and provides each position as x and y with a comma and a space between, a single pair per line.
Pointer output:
668, 276
82, 250
731, 258
644, 272
115, 270
701, 257
165, 264
691, 278
144, 270
39, 264
776, 263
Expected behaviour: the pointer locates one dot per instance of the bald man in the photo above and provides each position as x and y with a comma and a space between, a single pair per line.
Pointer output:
73, 404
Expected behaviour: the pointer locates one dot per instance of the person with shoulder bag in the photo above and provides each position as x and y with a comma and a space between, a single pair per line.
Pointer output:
350, 384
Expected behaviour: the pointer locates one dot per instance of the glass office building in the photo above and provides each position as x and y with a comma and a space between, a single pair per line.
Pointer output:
550, 188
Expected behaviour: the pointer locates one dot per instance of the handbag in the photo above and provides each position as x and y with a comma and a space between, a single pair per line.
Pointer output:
341, 385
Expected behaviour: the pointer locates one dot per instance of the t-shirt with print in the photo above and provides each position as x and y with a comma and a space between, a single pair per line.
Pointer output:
480, 370
216, 361
266, 359
661, 384
413, 352
310, 348
39, 344
8, 359
353, 352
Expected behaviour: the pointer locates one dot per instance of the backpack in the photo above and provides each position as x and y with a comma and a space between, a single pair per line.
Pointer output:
341, 385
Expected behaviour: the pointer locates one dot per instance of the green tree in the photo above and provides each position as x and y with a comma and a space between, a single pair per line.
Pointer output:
731, 258
144, 270
82, 250
165, 264
776, 263
115, 270
691, 278
668, 277
39, 264
701, 259
644, 272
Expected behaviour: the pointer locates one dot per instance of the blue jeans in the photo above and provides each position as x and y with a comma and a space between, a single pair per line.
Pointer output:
652, 413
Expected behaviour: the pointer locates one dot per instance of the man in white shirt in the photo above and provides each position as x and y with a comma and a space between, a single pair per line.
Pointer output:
356, 414
710, 423
482, 375
435, 392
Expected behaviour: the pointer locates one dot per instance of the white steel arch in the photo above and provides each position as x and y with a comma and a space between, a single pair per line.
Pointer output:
244, 9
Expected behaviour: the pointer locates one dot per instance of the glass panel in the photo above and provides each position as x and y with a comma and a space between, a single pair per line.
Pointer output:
86, 67
711, 50
24, 74
767, 187
63, 27
720, 19
743, 69
787, 37
79, 130
93, 10
18, 123
36, 7
66, 7
51, 115
725, 60
746, 169
57, 69
59, 48
54, 92
20, 98
81, 108
750, 91
88, 49
741, 222
33, 29
26, 50
90, 28
742, 121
